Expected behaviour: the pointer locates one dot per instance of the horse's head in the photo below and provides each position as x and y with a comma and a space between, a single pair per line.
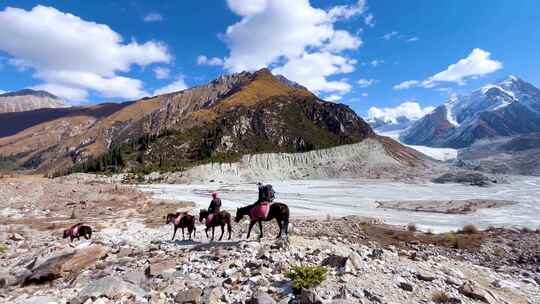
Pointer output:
203, 213
239, 215
66, 233
170, 218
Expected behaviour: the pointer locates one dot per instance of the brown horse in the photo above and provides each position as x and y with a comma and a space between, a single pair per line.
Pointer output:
278, 211
182, 220
217, 219
78, 230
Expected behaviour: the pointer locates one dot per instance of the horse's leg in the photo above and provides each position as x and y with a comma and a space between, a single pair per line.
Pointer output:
174, 234
213, 229
260, 229
229, 229
206, 231
286, 226
222, 230
249, 229
183, 235
280, 227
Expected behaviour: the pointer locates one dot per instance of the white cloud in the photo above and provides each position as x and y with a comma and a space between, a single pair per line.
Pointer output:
214, 61
365, 94
364, 83
178, 85
376, 62
347, 11
287, 36
369, 20
62, 91
2, 92
342, 40
477, 63
153, 17
246, 8
406, 84
333, 98
314, 68
413, 39
410, 109
162, 72
390, 35
75, 55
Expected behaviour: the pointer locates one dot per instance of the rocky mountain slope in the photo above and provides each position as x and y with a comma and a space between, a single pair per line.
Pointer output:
507, 155
27, 100
235, 115
508, 108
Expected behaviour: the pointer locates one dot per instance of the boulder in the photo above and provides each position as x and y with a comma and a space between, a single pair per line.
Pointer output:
212, 295
403, 284
42, 300
475, 292
65, 263
354, 262
110, 287
260, 297
308, 296
158, 268
189, 296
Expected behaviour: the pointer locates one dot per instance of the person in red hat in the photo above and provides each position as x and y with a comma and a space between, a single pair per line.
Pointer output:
215, 204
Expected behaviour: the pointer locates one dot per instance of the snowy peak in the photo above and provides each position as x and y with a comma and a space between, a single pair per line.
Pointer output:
508, 107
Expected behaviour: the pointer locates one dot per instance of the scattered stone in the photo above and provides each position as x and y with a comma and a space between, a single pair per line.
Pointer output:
109, 287
308, 296
156, 269
475, 292
189, 296
260, 297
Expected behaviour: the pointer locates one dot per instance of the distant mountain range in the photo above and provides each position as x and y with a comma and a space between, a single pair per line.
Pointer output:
508, 108
27, 100
234, 115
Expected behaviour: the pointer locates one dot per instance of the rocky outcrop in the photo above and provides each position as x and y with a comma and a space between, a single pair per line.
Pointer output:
27, 100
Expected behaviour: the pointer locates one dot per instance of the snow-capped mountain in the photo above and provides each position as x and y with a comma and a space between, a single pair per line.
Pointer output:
27, 100
508, 108
382, 125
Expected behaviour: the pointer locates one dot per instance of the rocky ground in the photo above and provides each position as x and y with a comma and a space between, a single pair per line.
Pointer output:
131, 259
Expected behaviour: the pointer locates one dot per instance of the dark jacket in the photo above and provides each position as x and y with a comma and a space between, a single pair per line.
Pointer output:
215, 205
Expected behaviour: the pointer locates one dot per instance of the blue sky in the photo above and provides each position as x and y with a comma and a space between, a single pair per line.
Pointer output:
357, 52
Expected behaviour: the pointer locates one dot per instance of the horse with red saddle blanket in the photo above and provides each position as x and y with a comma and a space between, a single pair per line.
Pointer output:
213, 220
182, 220
78, 230
264, 212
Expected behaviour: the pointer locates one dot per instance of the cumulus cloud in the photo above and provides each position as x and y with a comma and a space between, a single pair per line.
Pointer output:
376, 62
294, 39
364, 83
75, 55
477, 63
214, 61
409, 109
333, 98
2, 92
413, 39
153, 17
178, 85
390, 35
365, 94
162, 72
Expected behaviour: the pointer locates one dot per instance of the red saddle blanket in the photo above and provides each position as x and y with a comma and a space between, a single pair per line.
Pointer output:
75, 231
260, 212
210, 218
178, 219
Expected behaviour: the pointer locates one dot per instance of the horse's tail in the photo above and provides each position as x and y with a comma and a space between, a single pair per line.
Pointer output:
285, 222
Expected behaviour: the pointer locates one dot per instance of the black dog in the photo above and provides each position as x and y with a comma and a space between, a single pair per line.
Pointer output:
77, 231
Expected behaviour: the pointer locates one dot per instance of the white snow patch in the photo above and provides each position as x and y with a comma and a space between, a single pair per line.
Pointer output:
449, 114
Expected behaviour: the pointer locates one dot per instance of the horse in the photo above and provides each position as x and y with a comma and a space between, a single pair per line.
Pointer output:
182, 220
78, 230
213, 220
278, 211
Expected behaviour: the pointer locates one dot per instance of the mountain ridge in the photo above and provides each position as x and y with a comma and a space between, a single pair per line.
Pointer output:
28, 100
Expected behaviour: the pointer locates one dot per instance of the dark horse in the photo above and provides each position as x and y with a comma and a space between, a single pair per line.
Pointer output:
219, 219
278, 211
78, 230
182, 220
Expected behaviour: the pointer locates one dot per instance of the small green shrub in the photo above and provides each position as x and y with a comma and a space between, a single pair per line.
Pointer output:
499, 252
3, 249
411, 227
470, 229
306, 276
440, 297
451, 238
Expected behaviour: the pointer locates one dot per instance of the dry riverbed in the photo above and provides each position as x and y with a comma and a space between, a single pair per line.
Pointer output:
131, 258
465, 206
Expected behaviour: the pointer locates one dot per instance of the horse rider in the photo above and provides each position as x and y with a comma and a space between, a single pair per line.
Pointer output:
215, 204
